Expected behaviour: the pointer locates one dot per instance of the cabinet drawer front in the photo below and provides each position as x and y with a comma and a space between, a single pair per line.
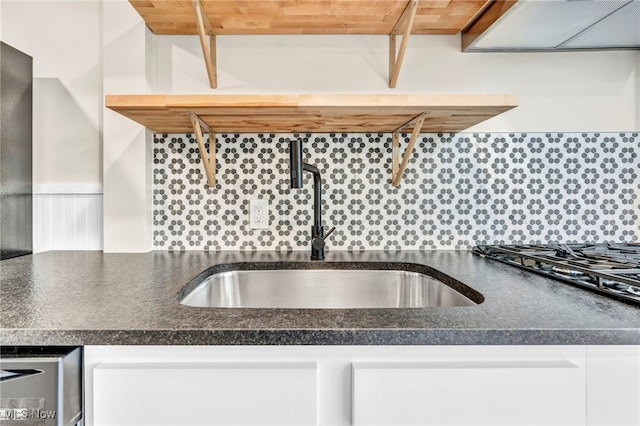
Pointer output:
613, 384
205, 394
533, 392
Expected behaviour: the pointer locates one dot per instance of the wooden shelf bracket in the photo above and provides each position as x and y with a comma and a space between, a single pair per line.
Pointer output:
208, 158
398, 167
205, 30
395, 62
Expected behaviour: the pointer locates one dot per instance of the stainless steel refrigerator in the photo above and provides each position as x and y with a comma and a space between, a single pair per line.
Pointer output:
16, 199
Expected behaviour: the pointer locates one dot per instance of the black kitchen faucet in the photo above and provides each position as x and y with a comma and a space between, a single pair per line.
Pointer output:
296, 168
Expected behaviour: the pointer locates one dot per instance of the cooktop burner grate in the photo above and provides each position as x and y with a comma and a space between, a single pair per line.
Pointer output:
609, 269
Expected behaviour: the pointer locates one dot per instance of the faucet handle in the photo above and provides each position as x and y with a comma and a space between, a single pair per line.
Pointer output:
333, 228
318, 242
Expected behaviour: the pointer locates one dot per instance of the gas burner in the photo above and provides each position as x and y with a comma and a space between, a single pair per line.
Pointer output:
609, 269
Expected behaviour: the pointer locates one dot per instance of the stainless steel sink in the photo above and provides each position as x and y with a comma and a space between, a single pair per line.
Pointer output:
324, 289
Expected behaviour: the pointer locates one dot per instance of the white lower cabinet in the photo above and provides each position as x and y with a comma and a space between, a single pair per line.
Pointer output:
362, 385
508, 392
184, 393
613, 385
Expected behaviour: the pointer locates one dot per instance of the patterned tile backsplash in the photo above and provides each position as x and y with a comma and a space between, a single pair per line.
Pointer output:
458, 190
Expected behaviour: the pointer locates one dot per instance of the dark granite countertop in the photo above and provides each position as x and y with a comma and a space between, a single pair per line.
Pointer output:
91, 298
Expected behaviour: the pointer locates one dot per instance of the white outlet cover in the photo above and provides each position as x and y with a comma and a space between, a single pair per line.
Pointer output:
258, 214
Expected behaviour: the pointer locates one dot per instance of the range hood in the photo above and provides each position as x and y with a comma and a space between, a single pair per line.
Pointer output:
555, 25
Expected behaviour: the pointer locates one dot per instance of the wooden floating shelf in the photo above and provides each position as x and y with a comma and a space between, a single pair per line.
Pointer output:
211, 18
260, 17
310, 114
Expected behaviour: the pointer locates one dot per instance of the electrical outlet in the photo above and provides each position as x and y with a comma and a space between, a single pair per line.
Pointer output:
258, 214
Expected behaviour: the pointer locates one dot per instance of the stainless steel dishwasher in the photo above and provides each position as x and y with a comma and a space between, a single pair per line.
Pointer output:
40, 386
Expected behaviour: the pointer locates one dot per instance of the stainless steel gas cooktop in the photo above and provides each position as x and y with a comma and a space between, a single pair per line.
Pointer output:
611, 269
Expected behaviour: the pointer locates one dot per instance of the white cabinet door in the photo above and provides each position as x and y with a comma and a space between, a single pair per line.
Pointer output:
516, 390
613, 385
196, 393
342, 385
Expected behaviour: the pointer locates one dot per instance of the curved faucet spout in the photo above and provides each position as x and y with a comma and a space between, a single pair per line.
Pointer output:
297, 166
317, 193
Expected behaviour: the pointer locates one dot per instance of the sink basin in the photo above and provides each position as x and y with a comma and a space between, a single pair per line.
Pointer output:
291, 285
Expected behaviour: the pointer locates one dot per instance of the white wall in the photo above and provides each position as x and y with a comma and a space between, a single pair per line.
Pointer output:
127, 145
65, 40
559, 91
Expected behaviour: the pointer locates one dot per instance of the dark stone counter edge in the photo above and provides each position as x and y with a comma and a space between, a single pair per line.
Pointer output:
22, 337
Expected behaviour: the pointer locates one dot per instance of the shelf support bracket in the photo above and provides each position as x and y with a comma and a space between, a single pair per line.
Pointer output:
395, 62
398, 167
205, 30
208, 158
